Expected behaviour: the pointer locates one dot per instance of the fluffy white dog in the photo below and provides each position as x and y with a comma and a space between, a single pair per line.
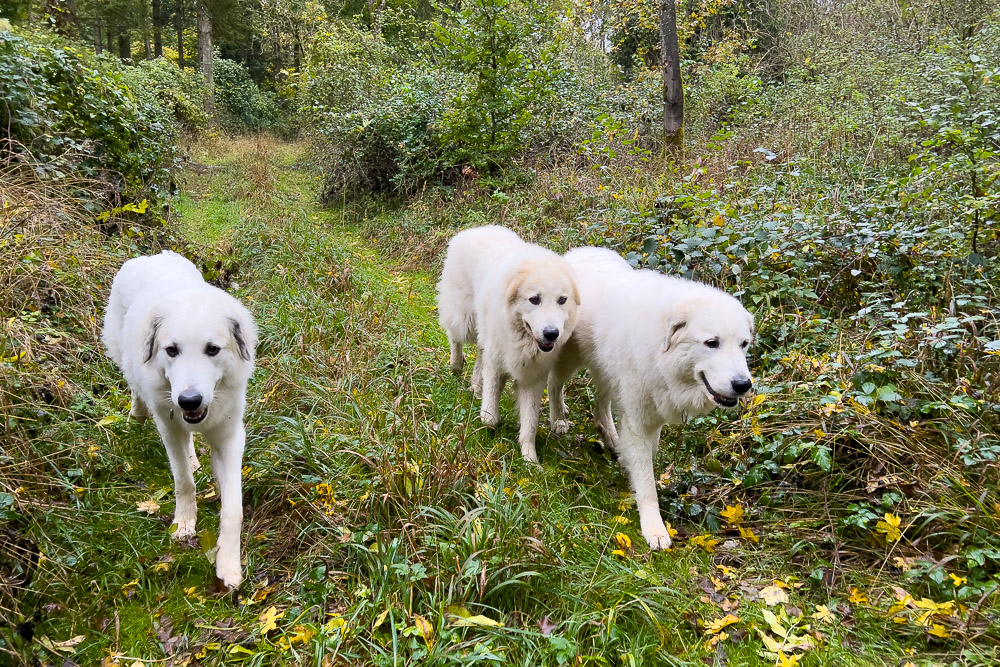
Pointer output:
518, 302
187, 351
660, 350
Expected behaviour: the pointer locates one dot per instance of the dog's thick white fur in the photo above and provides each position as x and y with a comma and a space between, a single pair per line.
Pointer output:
659, 350
187, 350
519, 303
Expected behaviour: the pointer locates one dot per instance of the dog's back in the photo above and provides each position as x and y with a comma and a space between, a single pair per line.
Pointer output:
470, 255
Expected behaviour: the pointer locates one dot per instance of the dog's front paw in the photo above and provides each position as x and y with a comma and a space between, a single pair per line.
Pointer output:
228, 570
489, 419
657, 537
559, 427
185, 528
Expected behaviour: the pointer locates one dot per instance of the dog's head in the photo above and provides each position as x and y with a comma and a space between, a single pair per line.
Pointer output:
542, 301
705, 346
201, 348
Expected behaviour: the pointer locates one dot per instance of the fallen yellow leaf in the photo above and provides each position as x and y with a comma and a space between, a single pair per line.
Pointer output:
823, 614
772, 595
732, 514
890, 527
269, 619
713, 627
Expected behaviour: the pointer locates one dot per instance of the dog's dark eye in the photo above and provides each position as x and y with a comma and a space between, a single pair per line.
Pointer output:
562, 300
712, 343
212, 349
172, 350
745, 344
535, 300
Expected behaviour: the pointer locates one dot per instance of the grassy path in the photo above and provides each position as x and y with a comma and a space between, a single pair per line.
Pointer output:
383, 525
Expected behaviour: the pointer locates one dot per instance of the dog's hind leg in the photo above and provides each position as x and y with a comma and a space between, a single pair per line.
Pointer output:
477, 375
227, 465
457, 355
179, 449
605, 421
558, 414
529, 401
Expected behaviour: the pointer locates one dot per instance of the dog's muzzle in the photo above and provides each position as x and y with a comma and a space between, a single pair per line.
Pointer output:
190, 404
721, 399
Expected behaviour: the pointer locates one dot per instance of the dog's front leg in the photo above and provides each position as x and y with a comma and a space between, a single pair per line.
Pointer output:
529, 402
179, 445
227, 465
636, 455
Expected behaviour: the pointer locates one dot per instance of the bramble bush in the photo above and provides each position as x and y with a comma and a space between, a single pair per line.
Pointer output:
81, 115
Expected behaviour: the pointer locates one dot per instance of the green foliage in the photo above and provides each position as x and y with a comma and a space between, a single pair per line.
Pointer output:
181, 93
242, 106
76, 114
505, 52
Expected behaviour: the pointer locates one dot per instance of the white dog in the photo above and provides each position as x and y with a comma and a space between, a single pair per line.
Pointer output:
518, 302
660, 350
187, 351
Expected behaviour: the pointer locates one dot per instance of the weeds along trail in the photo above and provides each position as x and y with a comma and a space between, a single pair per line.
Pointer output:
383, 524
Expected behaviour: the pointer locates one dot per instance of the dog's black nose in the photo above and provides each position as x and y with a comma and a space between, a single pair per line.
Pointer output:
742, 386
189, 401
550, 333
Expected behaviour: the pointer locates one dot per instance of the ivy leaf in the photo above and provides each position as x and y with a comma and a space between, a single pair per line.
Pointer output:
733, 514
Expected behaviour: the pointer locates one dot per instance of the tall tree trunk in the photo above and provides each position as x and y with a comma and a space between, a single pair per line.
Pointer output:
673, 93
98, 37
125, 46
157, 30
111, 48
205, 54
179, 27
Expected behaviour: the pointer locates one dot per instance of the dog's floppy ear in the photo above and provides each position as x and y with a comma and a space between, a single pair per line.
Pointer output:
673, 325
673, 328
515, 286
149, 345
240, 339
576, 294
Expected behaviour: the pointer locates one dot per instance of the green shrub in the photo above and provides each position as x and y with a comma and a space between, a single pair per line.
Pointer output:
240, 103
78, 114
180, 92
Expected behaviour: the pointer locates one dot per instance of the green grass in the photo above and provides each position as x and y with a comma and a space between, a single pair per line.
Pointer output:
379, 512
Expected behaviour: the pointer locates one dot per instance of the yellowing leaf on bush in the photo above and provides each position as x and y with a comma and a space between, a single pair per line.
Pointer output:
890, 527
772, 595
425, 629
823, 614
733, 514
269, 619
478, 620
713, 627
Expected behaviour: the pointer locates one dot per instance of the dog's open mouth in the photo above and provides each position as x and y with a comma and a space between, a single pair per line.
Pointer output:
545, 346
195, 416
721, 399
